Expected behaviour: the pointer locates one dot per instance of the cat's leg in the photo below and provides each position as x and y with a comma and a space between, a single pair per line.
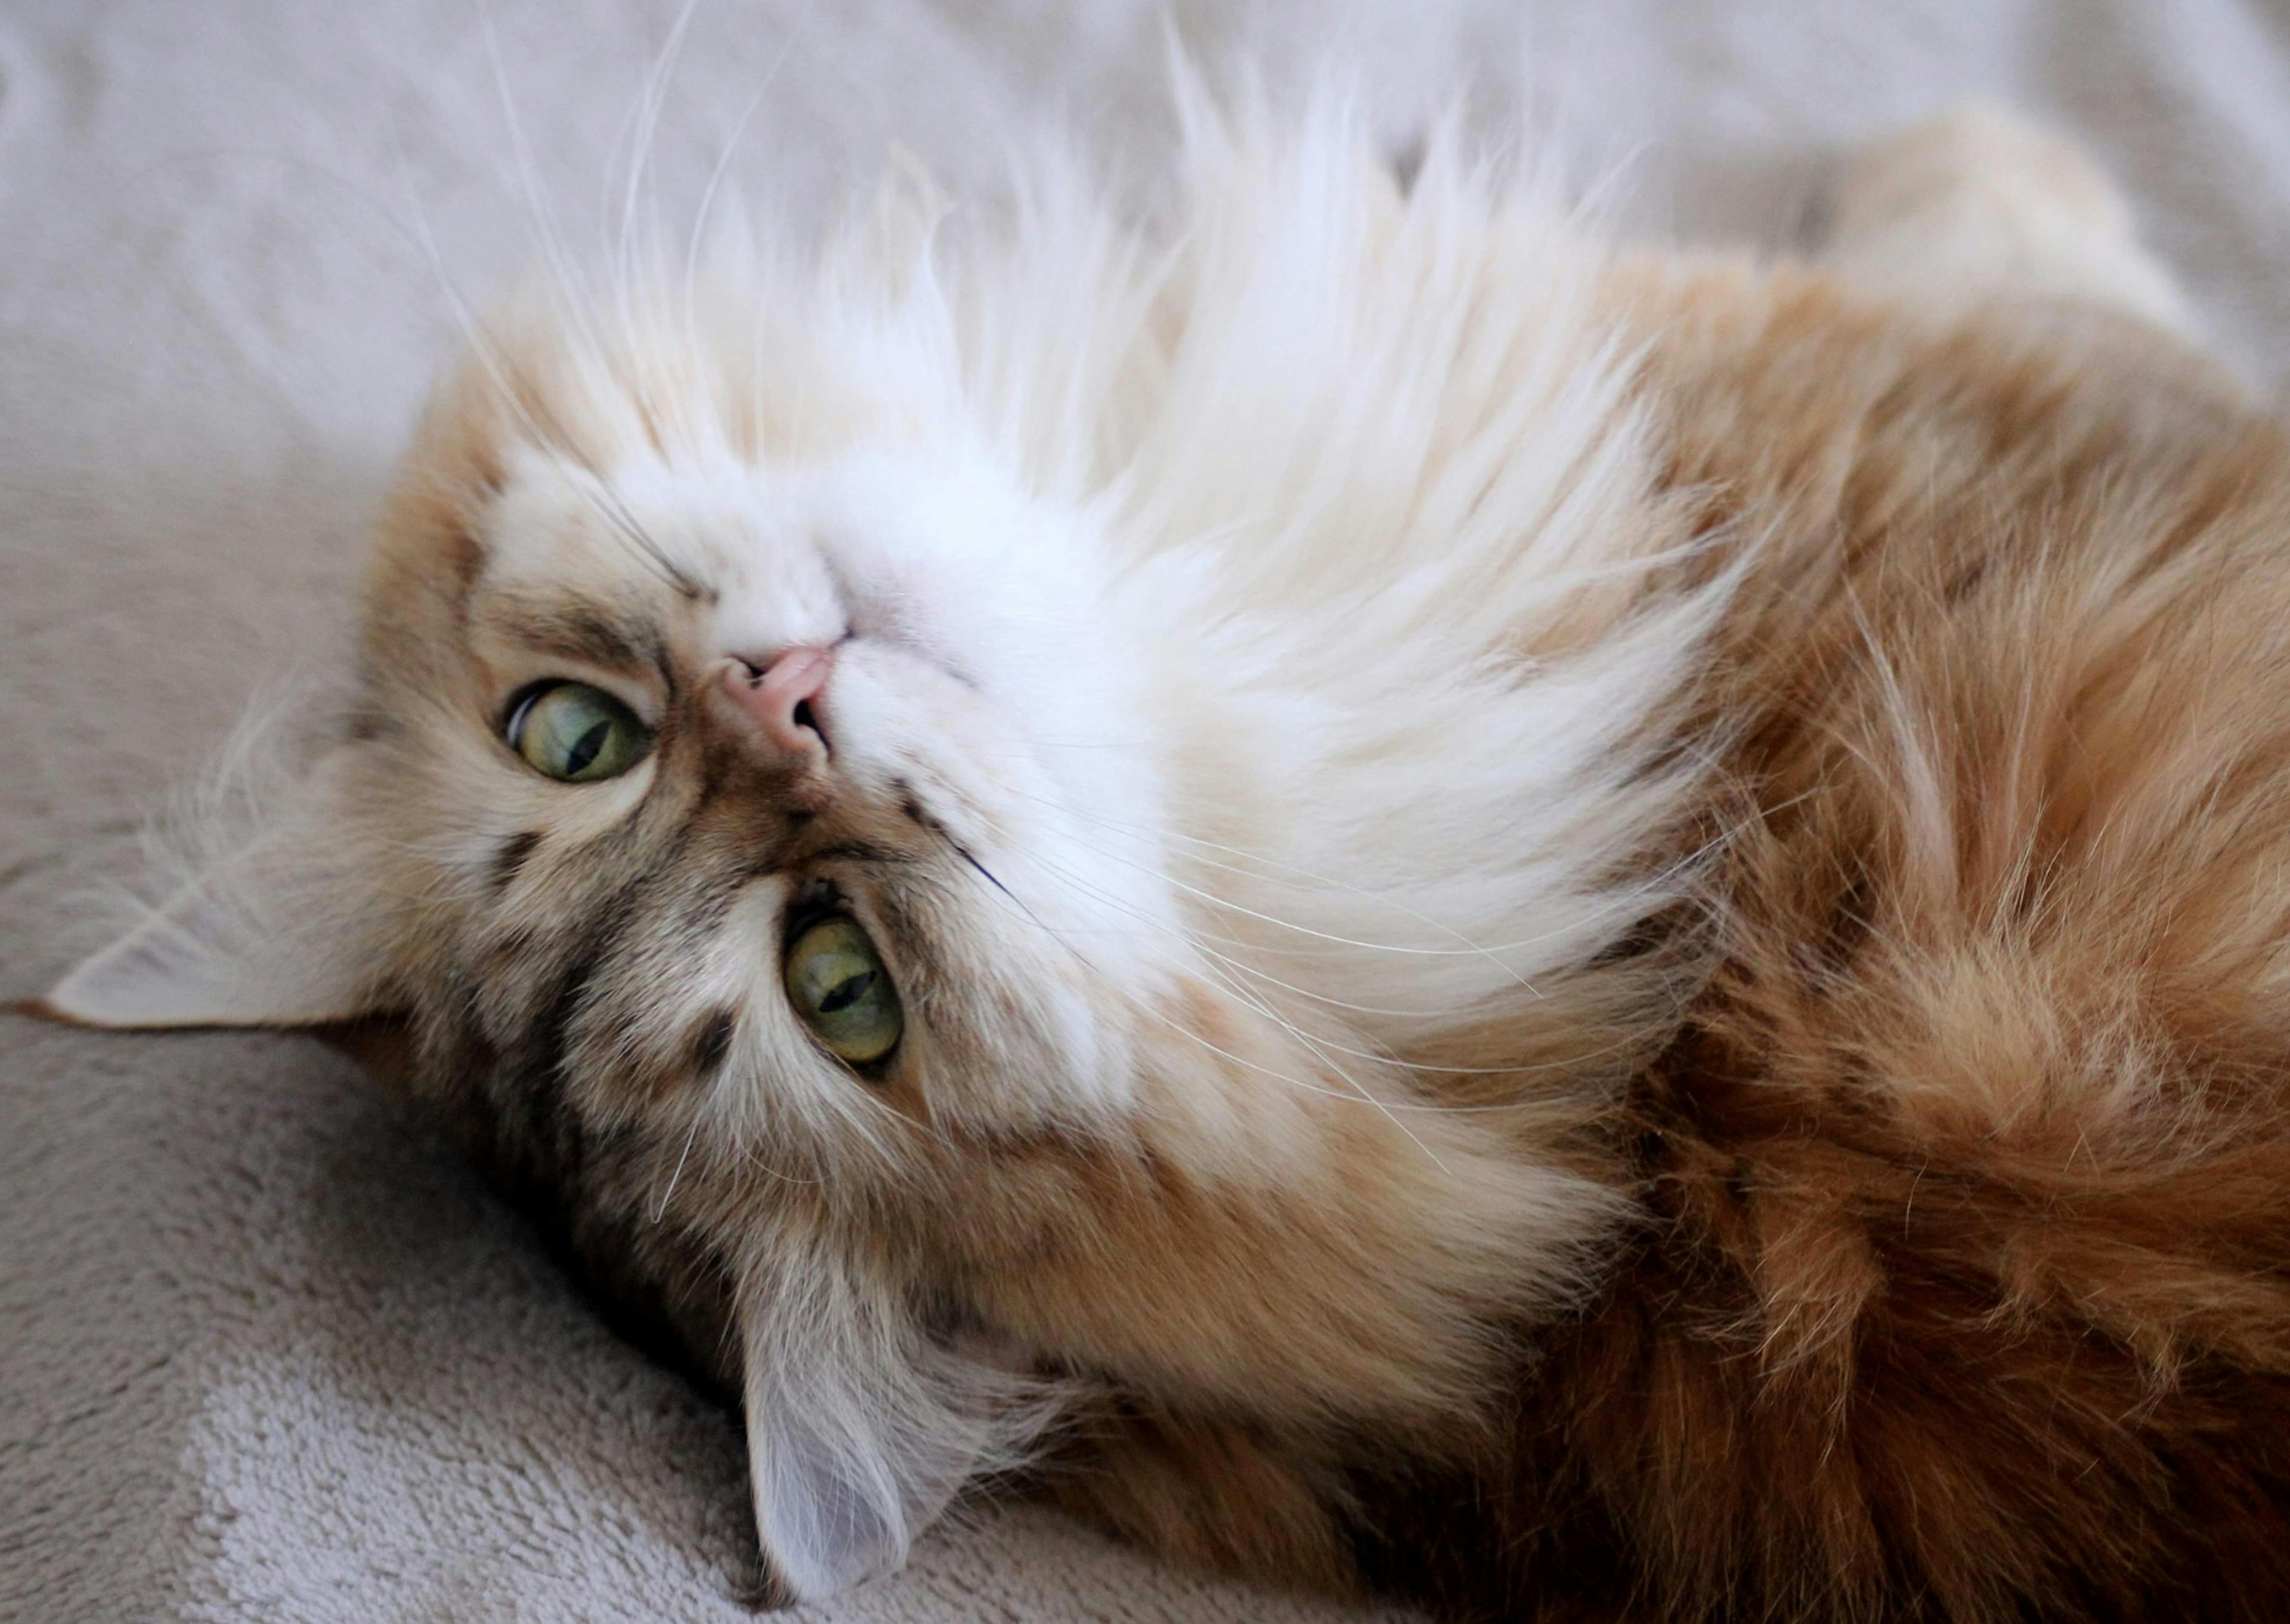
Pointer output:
1978, 204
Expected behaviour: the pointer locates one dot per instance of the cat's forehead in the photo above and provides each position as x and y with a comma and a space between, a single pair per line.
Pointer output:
693, 543
745, 560
648, 473
645, 525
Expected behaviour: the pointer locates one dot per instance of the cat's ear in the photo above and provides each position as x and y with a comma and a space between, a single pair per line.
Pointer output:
275, 930
861, 1424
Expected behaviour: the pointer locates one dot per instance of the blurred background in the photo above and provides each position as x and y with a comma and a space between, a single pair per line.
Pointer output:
265, 1353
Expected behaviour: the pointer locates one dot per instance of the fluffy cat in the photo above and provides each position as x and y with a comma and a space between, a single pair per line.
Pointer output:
1423, 903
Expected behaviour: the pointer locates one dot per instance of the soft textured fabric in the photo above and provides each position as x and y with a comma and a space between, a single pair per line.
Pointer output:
267, 1352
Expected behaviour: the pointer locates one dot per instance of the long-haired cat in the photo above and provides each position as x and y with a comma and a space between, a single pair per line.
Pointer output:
1421, 901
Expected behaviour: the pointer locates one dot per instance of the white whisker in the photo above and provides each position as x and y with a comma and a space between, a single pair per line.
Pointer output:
660, 1210
1260, 1005
715, 182
1385, 1057
572, 298
653, 97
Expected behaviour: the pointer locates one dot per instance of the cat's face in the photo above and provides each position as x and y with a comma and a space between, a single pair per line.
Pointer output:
745, 827
780, 821
854, 692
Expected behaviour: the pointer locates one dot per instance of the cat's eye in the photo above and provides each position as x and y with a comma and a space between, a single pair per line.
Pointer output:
837, 982
576, 733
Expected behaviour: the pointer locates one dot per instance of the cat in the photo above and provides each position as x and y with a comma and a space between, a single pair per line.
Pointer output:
1425, 903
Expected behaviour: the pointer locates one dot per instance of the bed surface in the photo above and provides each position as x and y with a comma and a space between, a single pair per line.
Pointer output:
266, 1352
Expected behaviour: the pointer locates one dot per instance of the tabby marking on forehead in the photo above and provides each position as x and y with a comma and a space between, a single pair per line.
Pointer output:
592, 635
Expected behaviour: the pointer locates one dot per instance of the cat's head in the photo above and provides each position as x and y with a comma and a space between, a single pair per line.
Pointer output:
981, 834
706, 695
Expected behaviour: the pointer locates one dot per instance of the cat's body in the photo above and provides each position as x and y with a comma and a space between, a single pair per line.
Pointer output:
1575, 928
1967, 1175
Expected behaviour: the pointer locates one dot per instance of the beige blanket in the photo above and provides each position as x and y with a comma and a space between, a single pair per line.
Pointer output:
265, 1352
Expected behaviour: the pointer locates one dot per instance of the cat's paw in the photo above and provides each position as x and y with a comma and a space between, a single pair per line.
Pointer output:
1977, 154
1978, 202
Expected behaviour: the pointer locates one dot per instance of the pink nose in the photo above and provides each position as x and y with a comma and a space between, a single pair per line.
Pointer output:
779, 698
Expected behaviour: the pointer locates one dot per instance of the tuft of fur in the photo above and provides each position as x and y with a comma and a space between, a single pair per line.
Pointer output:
1584, 929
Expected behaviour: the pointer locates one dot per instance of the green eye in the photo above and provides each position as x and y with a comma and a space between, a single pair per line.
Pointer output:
577, 733
838, 984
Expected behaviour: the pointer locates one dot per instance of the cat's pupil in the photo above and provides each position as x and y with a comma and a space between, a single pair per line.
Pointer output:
846, 992
585, 747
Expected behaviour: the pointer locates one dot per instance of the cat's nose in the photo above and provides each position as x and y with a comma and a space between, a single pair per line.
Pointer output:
779, 697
